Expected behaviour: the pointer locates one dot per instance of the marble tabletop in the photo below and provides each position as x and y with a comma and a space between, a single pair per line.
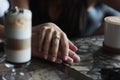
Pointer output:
93, 59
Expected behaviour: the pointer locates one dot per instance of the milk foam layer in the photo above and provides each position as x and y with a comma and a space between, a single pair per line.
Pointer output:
18, 24
112, 32
18, 56
113, 20
18, 35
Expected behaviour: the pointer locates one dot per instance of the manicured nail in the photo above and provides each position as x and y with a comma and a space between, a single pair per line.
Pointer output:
59, 61
65, 58
70, 60
53, 59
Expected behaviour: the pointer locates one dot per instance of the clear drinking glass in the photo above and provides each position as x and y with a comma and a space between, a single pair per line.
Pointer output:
17, 44
17, 72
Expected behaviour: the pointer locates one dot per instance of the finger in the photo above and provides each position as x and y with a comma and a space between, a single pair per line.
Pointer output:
41, 38
58, 60
64, 46
69, 60
72, 46
47, 42
74, 56
54, 46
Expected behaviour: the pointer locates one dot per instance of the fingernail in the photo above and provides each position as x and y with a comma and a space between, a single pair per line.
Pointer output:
65, 58
69, 60
53, 59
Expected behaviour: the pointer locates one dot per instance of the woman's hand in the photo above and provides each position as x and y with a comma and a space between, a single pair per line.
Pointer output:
51, 43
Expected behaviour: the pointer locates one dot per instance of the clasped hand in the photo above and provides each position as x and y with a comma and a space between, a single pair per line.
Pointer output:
51, 43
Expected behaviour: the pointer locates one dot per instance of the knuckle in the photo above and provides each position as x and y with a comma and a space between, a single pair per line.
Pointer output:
51, 29
63, 34
57, 33
44, 28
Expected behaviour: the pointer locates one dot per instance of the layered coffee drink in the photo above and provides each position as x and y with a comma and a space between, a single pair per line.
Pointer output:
18, 35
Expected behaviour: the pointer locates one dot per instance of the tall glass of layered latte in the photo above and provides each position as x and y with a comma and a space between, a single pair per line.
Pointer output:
17, 42
18, 35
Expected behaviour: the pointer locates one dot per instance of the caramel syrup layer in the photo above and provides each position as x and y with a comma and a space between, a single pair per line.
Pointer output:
15, 44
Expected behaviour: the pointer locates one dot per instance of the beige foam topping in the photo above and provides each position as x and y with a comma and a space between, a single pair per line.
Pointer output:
113, 20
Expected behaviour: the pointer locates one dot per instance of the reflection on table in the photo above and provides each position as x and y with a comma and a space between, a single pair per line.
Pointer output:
93, 59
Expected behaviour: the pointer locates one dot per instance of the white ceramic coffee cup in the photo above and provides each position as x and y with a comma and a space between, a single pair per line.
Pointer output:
112, 32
